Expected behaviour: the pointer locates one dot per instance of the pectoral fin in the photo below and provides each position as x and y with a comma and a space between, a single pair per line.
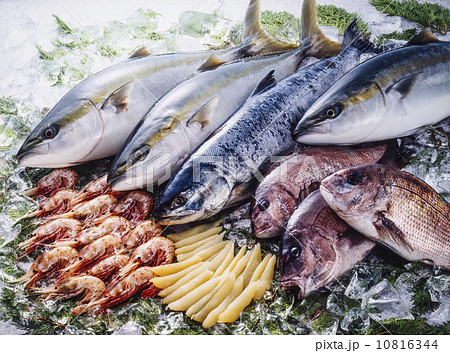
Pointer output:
205, 113
388, 230
119, 98
405, 85
211, 63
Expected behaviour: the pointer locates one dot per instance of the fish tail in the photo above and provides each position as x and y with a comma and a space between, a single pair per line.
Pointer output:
313, 35
254, 34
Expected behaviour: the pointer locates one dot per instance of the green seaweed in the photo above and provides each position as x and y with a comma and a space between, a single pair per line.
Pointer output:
406, 35
63, 27
330, 15
425, 14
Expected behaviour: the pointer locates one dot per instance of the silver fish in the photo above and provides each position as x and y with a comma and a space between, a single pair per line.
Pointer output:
188, 114
243, 146
95, 117
394, 208
318, 247
395, 94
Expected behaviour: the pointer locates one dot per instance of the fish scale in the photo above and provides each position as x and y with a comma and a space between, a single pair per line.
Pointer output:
394, 208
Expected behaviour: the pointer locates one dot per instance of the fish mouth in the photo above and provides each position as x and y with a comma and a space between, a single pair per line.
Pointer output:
167, 220
266, 231
29, 155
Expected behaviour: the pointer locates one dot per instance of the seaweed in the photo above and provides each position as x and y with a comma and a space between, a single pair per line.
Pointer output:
330, 15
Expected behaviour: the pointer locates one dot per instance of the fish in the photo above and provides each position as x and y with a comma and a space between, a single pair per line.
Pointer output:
318, 247
94, 118
187, 115
297, 175
394, 208
395, 94
243, 147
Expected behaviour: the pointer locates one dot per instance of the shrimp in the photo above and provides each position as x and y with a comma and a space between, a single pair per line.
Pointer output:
89, 287
54, 205
48, 264
89, 210
135, 206
143, 232
64, 178
97, 250
125, 289
52, 231
157, 251
95, 188
112, 225
107, 267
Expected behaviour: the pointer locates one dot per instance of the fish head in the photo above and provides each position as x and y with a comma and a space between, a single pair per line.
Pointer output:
66, 135
132, 167
346, 114
354, 192
194, 193
271, 210
306, 260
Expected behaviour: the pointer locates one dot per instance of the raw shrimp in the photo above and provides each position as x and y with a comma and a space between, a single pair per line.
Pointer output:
115, 225
143, 232
97, 250
54, 205
53, 231
107, 267
64, 178
157, 251
90, 210
125, 289
48, 264
135, 206
95, 188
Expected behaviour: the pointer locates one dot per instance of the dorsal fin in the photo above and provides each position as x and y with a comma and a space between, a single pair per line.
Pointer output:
267, 82
354, 38
211, 63
321, 46
423, 37
139, 53
253, 33
204, 114
119, 98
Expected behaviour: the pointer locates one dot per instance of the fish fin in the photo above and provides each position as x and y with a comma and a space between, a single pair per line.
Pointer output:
119, 98
423, 37
139, 53
310, 32
405, 85
266, 83
354, 38
211, 63
204, 114
387, 229
253, 33
241, 193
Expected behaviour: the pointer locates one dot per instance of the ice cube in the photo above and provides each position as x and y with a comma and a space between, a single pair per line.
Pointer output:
383, 302
441, 315
439, 288
355, 320
130, 328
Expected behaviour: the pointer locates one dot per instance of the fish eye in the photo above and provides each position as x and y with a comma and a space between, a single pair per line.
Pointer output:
353, 179
263, 205
330, 113
178, 201
138, 154
49, 132
295, 252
